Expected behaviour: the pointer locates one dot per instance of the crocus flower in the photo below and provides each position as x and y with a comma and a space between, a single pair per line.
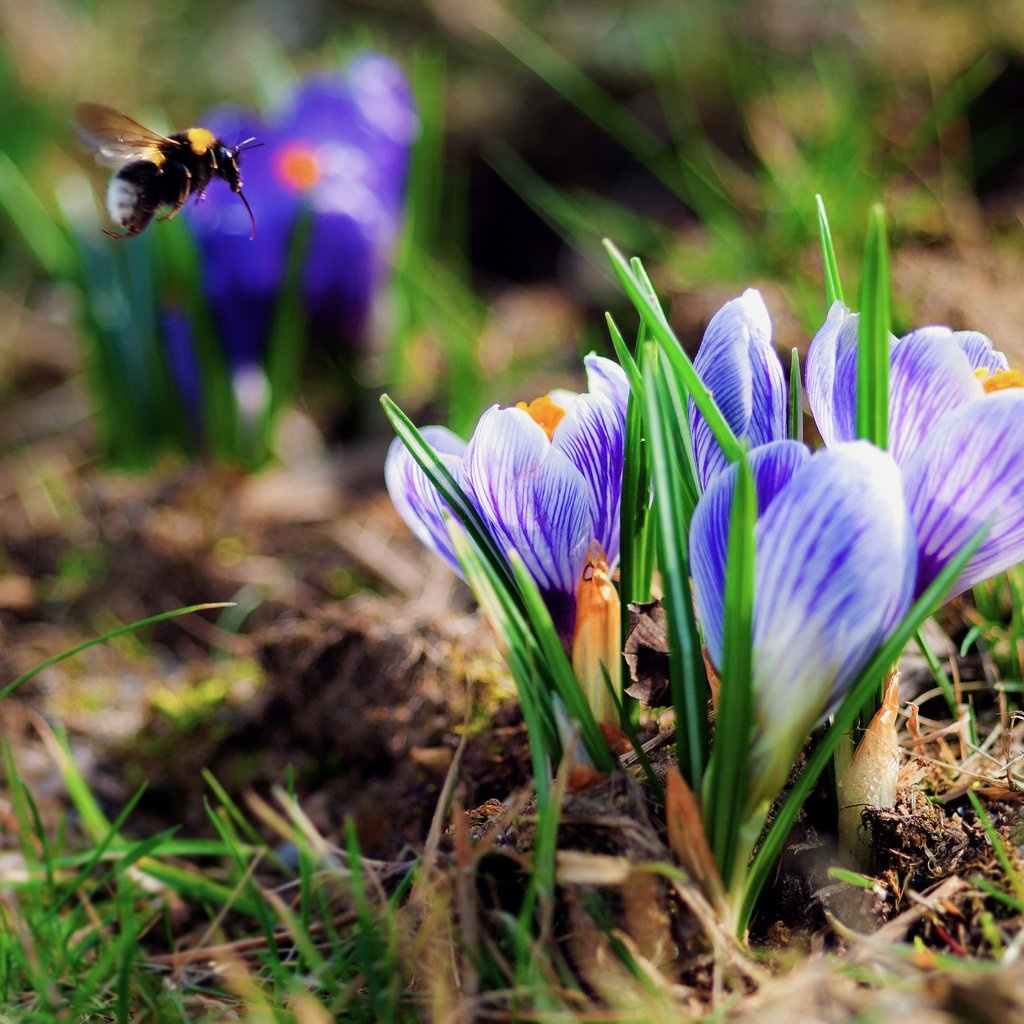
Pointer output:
956, 430
339, 150
545, 477
834, 567
737, 363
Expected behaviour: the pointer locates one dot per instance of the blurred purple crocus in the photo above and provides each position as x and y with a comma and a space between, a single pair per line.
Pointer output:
737, 363
340, 149
956, 430
834, 564
546, 478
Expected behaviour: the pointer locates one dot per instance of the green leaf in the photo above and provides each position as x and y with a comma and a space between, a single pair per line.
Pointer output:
688, 679
449, 489
727, 780
873, 338
833, 286
113, 634
676, 360
796, 393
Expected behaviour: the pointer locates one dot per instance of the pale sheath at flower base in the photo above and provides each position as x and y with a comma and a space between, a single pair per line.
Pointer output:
737, 363
546, 479
834, 565
956, 430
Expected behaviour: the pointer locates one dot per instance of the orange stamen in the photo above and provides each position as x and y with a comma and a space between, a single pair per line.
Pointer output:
1003, 380
545, 413
297, 167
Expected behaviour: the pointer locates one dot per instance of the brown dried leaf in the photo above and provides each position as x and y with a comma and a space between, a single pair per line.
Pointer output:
646, 655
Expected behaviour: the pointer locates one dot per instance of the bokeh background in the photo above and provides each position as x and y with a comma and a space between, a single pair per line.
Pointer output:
696, 135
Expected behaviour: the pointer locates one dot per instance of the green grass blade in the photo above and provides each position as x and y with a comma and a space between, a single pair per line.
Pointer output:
873, 339
727, 779
796, 393
843, 721
688, 679
626, 360
1010, 871
559, 670
113, 634
449, 489
637, 289
833, 286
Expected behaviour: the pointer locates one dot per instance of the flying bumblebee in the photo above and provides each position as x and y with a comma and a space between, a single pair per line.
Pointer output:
156, 170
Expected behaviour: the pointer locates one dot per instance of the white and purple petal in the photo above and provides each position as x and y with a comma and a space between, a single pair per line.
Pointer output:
772, 466
606, 377
831, 376
969, 469
592, 436
929, 375
980, 352
835, 567
414, 496
534, 501
737, 363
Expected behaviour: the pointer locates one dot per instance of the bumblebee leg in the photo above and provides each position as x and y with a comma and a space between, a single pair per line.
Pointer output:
184, 189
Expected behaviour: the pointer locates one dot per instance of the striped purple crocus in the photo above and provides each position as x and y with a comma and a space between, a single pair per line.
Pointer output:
956, 430
340, 151
737, 363
835, 562
546, 479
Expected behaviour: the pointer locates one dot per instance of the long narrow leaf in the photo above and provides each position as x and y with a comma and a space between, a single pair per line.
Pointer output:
689, 682
873, 339
112, 635
833, 286
727, 771
559, 670
796, 391
677, 360
449, 489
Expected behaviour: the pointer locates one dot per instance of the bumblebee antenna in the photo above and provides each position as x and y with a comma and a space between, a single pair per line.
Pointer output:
249, 211
243, 146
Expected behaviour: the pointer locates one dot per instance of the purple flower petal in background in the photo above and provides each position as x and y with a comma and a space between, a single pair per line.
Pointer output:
340, 150
242, 278
834, 571
738, 364
183, 363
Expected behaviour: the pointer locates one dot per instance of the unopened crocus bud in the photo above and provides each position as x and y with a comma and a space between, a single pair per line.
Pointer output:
597, 638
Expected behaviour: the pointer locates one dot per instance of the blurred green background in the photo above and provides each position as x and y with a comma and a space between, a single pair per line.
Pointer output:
695, 135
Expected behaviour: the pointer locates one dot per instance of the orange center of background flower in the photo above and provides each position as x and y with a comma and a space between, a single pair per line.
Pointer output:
545, 413
298, 168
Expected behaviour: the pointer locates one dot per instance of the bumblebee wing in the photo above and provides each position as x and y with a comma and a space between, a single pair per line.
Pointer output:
114, 137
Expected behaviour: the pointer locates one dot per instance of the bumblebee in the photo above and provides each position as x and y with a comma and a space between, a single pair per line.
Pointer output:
154, 170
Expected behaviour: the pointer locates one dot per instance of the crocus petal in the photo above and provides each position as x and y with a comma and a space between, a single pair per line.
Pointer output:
772, 465
534, 501
831, 376
606, 377
980, 352
739, 366
415, 497
835, 564
970, 468
241, 278
929, 375
592, 436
